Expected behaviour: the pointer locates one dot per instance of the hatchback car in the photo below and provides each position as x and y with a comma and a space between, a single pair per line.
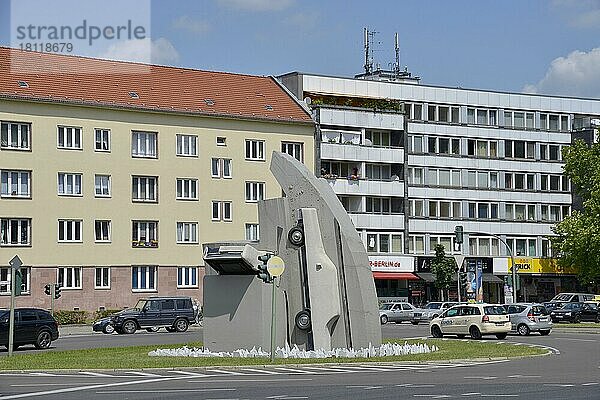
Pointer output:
576, 312
526, 318
32, 326
475, 320
395, 312
152, 313
430, 310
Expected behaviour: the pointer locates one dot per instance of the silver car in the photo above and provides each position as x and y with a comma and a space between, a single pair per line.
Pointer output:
430, 311
395, 312
526, 318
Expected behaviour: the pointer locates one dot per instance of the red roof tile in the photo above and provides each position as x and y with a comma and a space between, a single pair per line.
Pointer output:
97, 82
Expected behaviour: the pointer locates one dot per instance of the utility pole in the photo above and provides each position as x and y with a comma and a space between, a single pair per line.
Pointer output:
15, 264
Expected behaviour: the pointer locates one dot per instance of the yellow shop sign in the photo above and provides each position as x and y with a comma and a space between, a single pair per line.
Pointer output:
528, 265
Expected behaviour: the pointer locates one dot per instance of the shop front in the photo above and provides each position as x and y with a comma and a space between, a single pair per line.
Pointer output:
540, 279
394, 278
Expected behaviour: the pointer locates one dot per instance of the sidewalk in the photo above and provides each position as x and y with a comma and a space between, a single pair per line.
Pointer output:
84, 329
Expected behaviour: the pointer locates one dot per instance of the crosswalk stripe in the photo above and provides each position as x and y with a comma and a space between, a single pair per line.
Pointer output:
360, 368
262, 371
187, 373
325, 369
95, 374
141, 373
221, 371
297, 371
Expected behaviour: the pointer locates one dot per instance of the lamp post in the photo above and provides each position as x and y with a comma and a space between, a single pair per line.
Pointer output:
512, 261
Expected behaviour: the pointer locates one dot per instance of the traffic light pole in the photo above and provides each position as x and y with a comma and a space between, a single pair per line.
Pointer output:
273, 305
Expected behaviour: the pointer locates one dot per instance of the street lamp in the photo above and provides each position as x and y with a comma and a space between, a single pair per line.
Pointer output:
512, 261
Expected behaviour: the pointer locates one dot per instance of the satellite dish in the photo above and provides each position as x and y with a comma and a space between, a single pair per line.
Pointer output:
307, 100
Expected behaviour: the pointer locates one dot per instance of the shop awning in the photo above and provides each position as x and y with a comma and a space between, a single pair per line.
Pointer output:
395, 275
487, 277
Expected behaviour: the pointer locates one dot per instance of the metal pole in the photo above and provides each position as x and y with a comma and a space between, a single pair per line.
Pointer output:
273, 305
11, 325
514, 276
52, 288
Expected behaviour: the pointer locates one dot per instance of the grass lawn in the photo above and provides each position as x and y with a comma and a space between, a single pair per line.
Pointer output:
137, 357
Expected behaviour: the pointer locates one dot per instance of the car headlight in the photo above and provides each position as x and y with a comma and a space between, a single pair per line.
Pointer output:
568, 313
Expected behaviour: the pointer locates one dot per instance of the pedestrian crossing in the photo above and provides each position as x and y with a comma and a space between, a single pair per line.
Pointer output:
210, 372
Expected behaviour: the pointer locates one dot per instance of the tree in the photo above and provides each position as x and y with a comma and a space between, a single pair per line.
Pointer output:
577, 239
443, 269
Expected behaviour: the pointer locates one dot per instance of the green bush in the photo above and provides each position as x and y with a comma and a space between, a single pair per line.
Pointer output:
103, 314
65, 317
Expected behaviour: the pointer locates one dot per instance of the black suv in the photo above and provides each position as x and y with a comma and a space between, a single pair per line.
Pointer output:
173, 313
32, 326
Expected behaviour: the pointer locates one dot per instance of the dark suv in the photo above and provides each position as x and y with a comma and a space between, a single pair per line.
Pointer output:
173, 313
32, 326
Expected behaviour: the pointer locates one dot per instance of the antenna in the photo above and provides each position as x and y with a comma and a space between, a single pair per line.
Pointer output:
397, 49
368, 46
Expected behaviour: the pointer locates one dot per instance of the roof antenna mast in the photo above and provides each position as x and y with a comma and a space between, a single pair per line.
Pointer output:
368, 46
397, 49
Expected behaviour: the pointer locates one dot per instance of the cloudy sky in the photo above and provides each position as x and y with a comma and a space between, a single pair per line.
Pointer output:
541, 46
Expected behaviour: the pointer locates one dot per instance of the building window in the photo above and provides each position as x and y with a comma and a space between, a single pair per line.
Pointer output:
102, 142
143, 144
255, 149
69, 277
484, 247
519, 149
143, 278
221, 210
221, 141
69, 137
252, 232
102, 185
102, 231
221, 168
15, 183
144, 234
102, 278
5, 276
293, 149
15, 232
144, 188
377, 138
187, 277
446, 241
187, 145
255, 191
187, 232
69, 184
378, 205
69, 230
187, 189
416, 244
14, 135
482, 148
522, 247
384, 242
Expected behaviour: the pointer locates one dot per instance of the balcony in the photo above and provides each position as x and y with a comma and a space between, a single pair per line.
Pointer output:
357, 152
377, 221
359, 118
344, 186
144, 244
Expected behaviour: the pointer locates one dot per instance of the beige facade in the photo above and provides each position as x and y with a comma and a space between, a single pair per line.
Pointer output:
141, 189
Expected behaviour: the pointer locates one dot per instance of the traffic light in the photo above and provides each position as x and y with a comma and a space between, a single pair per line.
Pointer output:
458, 234
47, 289
262, 269
18, 282
57, 288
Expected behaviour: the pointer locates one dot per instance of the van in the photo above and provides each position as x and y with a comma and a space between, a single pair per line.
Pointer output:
572, 297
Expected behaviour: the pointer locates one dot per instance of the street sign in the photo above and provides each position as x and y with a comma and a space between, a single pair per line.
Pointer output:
275, 266
459, 260
15, 263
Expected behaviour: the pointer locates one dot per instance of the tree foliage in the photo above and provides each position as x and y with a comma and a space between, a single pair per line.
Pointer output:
578, 235
443, 268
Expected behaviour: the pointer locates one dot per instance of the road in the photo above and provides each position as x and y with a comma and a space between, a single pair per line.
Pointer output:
571, 372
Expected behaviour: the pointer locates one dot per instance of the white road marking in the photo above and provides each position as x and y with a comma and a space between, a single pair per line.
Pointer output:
98, 374
433, 396
262, 371
524, 376
166, 391
559, 384
324, 369
499, 395
225, 372
188, 373
589, 384
250, 380
481, 377
52, 384
295, 371
364, 387
286, 397
139, 373
471, 394
367, 368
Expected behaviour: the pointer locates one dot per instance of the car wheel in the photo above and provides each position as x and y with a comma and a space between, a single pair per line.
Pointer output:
545, 333
383, 319
475, 333
436, 332
414, 322
108, 329
576, 319
181, 325
501, 336
15, 346
170, 329
523, 330
153, 329
43, 340
129, 326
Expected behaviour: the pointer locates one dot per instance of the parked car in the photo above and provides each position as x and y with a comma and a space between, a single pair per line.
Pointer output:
475, 320
572, 297
551, 305
32, 326
173, 313
430, 311
576, 312
526, 318
395, 312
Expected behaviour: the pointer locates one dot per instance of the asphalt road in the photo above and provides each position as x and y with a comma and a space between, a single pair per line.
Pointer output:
571, 372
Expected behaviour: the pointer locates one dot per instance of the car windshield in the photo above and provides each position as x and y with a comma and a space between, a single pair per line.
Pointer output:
433, 306
494, 310
570, 306
140, 304
385, 306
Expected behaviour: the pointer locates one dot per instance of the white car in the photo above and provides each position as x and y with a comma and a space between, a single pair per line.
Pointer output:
395, 312
475, 320
430, 310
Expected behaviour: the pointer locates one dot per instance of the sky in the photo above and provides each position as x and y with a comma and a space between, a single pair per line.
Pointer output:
534, 46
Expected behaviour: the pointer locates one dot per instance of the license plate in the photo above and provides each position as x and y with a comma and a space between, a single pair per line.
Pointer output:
500, 323
543, 319
558, 316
